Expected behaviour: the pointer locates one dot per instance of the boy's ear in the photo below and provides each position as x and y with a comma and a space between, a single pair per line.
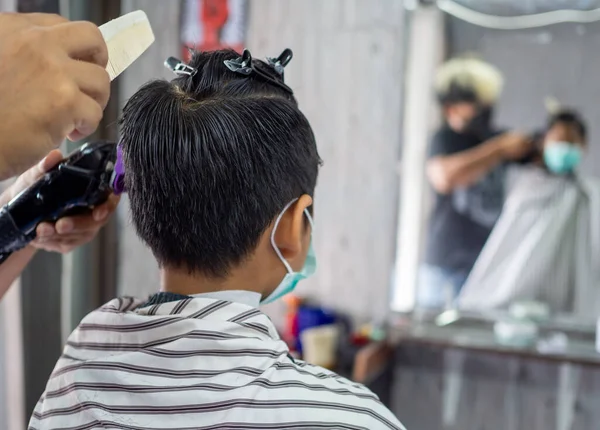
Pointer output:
292, 227
303, 203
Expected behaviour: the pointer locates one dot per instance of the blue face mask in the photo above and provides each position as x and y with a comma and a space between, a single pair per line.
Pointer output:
291, 279
562, 157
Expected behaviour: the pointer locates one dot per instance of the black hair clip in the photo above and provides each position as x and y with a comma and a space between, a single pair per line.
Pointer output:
242, 65
245, 66
179, 67
280, 62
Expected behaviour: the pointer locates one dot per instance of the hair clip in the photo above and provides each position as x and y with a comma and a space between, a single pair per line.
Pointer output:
179, 67
242, 65
280, 62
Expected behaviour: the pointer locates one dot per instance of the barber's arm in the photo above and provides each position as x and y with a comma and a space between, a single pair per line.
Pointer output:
462, 169
53, 84
63, 236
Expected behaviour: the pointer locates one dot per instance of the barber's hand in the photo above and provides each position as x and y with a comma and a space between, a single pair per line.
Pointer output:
53, 84
69, 232
515, 146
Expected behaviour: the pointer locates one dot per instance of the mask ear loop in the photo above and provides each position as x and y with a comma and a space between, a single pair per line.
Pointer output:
275, 247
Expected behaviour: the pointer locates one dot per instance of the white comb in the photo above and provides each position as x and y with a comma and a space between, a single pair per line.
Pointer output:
127, 37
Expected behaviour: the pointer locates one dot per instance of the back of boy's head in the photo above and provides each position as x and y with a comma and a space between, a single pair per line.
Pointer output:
210, 162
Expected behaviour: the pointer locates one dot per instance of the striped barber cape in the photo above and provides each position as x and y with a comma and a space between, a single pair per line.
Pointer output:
544, 247
196, 363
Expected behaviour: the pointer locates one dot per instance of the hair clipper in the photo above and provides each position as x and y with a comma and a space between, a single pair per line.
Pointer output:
83, 180
537, 143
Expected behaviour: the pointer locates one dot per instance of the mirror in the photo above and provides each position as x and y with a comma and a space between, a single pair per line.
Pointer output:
500, 200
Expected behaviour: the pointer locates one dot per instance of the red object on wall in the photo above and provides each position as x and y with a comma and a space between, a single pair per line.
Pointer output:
214, 17
208, 25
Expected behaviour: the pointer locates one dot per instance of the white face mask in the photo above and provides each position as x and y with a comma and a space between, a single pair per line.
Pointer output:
291, 279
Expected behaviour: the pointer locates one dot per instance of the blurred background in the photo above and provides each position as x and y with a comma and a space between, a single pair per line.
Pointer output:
364, 73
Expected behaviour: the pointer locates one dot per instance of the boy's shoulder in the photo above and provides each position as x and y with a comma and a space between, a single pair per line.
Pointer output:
347, 401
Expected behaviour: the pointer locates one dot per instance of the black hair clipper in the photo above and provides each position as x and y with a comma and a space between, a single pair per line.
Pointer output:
537, 143
77, 184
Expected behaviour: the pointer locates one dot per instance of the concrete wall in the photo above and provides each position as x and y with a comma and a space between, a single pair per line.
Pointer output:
424, 53
347, 75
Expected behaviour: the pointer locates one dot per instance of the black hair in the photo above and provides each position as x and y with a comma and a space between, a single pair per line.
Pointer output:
211, 160
569, 117
457, 93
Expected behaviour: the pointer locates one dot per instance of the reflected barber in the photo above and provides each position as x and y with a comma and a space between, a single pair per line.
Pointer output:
466, 169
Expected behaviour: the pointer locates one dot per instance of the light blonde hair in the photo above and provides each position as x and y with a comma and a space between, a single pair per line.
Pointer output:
470, 73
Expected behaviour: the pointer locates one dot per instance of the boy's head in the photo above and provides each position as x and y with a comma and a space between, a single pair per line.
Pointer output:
566, 126
211, 161
565, 141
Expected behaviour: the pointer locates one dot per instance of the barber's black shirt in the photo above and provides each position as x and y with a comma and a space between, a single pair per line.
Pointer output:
461, 221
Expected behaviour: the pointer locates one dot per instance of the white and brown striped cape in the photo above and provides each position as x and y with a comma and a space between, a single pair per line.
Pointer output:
196, 363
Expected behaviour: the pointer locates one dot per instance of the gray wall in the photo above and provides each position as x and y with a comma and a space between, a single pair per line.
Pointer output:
347, 75
557, 61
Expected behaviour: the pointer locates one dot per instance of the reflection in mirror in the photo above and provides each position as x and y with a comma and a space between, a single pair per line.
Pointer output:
511, 224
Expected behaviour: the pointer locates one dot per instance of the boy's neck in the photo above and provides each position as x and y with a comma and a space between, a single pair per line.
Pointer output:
181, 282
